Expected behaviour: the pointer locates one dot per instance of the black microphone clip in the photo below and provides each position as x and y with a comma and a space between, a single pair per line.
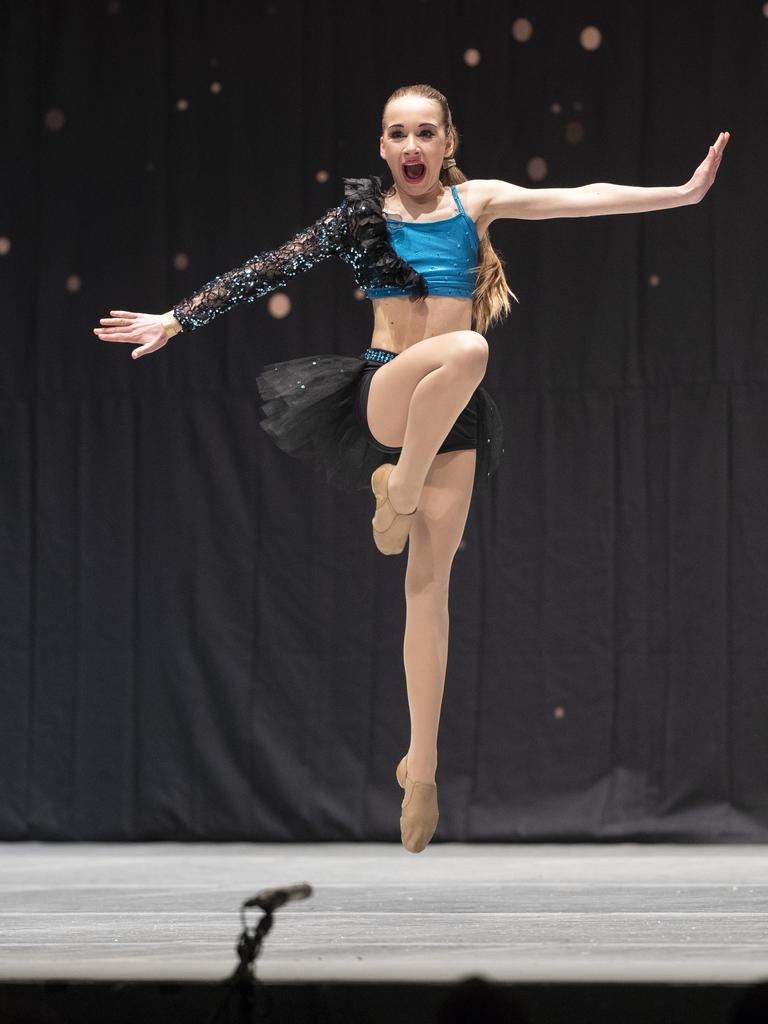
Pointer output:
269, 900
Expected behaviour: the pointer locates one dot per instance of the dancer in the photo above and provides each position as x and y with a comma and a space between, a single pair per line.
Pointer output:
408, 417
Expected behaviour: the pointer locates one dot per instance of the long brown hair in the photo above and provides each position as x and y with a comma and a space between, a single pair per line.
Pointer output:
490, 301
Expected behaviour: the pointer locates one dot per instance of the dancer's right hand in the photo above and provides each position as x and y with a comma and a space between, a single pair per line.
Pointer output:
143, 329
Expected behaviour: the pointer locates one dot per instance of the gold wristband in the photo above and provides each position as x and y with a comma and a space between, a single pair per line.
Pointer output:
170, 325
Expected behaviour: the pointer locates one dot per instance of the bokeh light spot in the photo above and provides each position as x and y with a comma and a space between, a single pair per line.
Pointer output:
591, 38
522, 30
54, 119
278, 305
472, 57
537, 168
574, 132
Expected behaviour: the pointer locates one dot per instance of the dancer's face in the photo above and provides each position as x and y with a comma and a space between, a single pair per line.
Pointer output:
412, 132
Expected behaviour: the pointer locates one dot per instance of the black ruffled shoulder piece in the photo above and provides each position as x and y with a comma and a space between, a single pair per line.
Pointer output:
369, 228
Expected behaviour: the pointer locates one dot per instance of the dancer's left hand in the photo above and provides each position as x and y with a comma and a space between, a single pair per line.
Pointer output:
704, 176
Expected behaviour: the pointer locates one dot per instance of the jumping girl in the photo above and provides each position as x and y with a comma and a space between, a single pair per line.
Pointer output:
408, 417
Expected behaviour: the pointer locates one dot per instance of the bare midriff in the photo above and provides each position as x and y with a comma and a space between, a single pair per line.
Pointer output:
399, 322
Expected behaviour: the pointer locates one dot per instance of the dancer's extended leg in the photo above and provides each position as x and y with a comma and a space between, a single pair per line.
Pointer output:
434, 539
413, 402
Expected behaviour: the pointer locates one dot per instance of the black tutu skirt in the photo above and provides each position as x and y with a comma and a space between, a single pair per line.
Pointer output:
308, 410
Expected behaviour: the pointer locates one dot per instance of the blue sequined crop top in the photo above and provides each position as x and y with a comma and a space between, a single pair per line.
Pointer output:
411, 258
443, 251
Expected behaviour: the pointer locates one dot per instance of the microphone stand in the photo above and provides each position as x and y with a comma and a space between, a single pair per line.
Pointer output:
243, 981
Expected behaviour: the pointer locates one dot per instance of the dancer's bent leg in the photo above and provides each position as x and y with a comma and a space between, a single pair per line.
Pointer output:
434, 539
414, 401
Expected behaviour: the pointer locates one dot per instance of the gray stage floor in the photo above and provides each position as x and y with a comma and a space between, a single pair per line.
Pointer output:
512, 913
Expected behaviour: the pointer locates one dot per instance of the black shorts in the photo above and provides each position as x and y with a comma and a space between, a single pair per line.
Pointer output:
462, 435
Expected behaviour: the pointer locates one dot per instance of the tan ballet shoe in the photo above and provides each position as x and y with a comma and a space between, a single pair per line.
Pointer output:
420, 815
390, 527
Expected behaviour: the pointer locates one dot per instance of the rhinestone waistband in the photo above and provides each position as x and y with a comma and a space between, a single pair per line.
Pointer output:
378, 355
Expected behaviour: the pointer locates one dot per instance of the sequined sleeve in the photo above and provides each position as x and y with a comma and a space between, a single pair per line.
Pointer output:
266, 271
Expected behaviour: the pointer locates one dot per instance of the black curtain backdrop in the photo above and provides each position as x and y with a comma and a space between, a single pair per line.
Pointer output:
198, 638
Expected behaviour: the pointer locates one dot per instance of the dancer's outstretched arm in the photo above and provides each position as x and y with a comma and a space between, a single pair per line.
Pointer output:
503, 199
257, 276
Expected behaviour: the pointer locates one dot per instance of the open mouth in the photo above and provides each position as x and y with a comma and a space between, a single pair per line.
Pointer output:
414, 172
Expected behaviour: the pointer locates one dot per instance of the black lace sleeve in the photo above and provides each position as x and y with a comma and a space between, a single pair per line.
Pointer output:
266, 271
381, 264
